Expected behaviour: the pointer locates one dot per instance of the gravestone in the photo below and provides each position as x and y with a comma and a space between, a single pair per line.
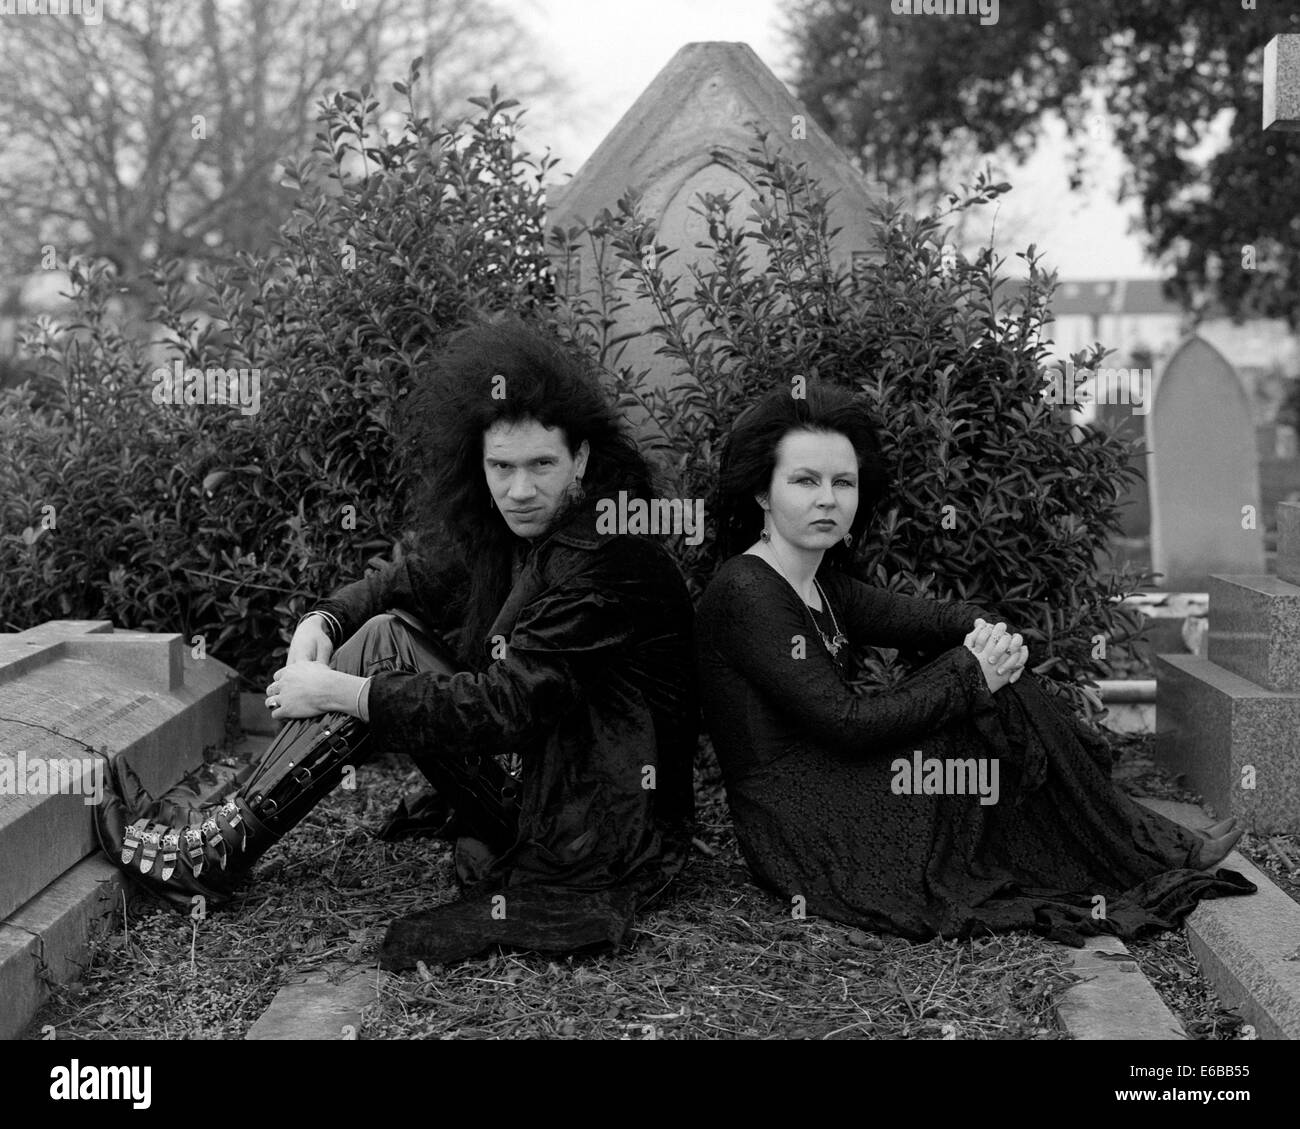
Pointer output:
1282, 83
70, 692
1203, 470
1231, 721
690, 132
1124, 417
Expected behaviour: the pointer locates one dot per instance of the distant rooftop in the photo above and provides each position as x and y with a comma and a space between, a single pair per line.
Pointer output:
1097, 296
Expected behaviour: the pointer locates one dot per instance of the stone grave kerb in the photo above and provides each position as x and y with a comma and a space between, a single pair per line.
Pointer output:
691, 131
74, 694
1281, 101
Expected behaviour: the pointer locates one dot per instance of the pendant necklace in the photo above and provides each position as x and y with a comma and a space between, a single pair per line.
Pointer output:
832, 645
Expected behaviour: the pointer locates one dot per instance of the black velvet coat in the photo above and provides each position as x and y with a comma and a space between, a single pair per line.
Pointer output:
595, 693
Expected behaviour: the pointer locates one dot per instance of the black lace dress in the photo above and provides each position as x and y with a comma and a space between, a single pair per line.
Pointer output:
825, 811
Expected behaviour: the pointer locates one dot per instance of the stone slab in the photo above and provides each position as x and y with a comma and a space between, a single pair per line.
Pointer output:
1221, 731
1281, 101
1255, 629
1114, 1000
71, 691
1287, 564
1248, 947
45, 940
313, 1007
56, 927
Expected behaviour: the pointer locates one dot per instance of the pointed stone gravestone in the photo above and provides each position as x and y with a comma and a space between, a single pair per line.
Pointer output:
690, 132
1203, 472
70, 692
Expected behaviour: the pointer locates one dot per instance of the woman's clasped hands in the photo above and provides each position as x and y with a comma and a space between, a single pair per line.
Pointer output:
1002, 656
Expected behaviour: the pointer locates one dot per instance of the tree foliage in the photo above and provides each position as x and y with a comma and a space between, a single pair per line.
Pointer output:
156, 134
1168, 79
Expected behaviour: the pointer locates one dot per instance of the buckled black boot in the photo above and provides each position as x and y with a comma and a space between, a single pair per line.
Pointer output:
178, 851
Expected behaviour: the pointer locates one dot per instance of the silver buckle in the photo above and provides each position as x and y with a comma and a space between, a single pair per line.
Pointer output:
170, 845
192, 843
234, 821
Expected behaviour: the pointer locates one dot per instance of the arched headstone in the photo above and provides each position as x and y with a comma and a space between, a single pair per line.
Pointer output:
689, 132
1204, 471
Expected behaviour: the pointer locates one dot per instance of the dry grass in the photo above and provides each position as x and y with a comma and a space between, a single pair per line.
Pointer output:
724, 960
1167, 961
718, 959
1278, 856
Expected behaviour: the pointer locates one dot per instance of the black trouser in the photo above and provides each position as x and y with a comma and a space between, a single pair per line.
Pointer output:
475, 785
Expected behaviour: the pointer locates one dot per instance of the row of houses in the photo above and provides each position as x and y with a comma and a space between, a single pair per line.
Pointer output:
1130, 315
1133, 317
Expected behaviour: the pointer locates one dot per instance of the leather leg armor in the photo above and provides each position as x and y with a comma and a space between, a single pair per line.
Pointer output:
180, 852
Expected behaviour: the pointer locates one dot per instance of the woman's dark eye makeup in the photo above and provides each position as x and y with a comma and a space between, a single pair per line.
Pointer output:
811, 478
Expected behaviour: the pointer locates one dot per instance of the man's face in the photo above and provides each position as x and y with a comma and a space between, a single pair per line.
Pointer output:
529, 470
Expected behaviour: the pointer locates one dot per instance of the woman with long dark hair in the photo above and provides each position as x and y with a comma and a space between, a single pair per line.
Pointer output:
967, 798
534, 663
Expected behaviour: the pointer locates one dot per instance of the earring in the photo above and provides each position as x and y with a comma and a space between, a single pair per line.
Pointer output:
765, 535
575, 491
848, 540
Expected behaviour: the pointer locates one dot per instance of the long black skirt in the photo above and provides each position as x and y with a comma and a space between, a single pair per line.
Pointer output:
1062, 851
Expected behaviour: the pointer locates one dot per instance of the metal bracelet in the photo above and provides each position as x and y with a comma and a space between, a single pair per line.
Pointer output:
333, 629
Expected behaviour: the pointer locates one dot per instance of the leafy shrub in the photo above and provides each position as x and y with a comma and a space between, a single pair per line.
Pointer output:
216, 523
211, 522
997, 497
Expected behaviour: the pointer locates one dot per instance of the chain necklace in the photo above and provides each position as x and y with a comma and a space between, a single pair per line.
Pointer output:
832, 645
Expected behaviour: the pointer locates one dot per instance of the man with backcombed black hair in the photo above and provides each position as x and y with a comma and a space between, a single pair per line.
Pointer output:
558, 729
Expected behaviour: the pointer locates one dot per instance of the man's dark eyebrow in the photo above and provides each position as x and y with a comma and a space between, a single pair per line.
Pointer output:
511, 462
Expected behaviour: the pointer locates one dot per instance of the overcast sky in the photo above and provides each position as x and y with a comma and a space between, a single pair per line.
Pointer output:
609, 50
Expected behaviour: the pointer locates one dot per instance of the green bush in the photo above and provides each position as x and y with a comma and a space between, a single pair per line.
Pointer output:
216, 523
225, 525
997, 498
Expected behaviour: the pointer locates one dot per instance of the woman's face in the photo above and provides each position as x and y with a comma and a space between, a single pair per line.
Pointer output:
814, 491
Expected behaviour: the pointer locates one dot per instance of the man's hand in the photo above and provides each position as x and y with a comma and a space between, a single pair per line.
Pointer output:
310, 643
309, 689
